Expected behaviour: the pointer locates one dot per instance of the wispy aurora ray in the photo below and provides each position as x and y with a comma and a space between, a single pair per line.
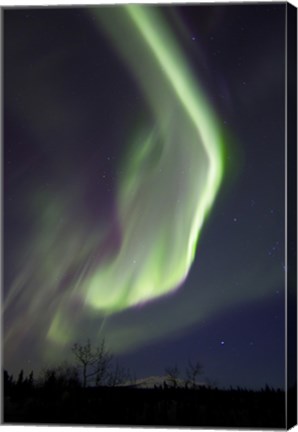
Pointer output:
171, 177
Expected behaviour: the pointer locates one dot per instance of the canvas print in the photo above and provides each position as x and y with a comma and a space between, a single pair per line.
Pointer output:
149, 246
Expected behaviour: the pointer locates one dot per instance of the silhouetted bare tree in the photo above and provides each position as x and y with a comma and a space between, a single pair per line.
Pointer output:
172, 375
193, 371
95, 362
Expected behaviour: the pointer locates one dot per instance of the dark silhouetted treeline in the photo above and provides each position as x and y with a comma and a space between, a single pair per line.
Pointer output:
59, 397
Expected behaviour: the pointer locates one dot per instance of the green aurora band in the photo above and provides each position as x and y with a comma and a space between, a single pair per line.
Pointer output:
170, 179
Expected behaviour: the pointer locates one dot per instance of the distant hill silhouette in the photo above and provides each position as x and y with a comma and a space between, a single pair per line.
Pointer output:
157, 381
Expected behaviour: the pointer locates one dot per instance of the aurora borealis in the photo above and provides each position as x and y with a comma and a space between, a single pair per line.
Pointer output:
171, 177
120, 170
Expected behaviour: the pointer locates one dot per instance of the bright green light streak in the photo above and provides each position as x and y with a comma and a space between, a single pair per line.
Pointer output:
187, 138
194, 102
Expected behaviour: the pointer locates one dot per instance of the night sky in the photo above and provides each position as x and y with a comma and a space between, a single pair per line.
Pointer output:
144, 187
